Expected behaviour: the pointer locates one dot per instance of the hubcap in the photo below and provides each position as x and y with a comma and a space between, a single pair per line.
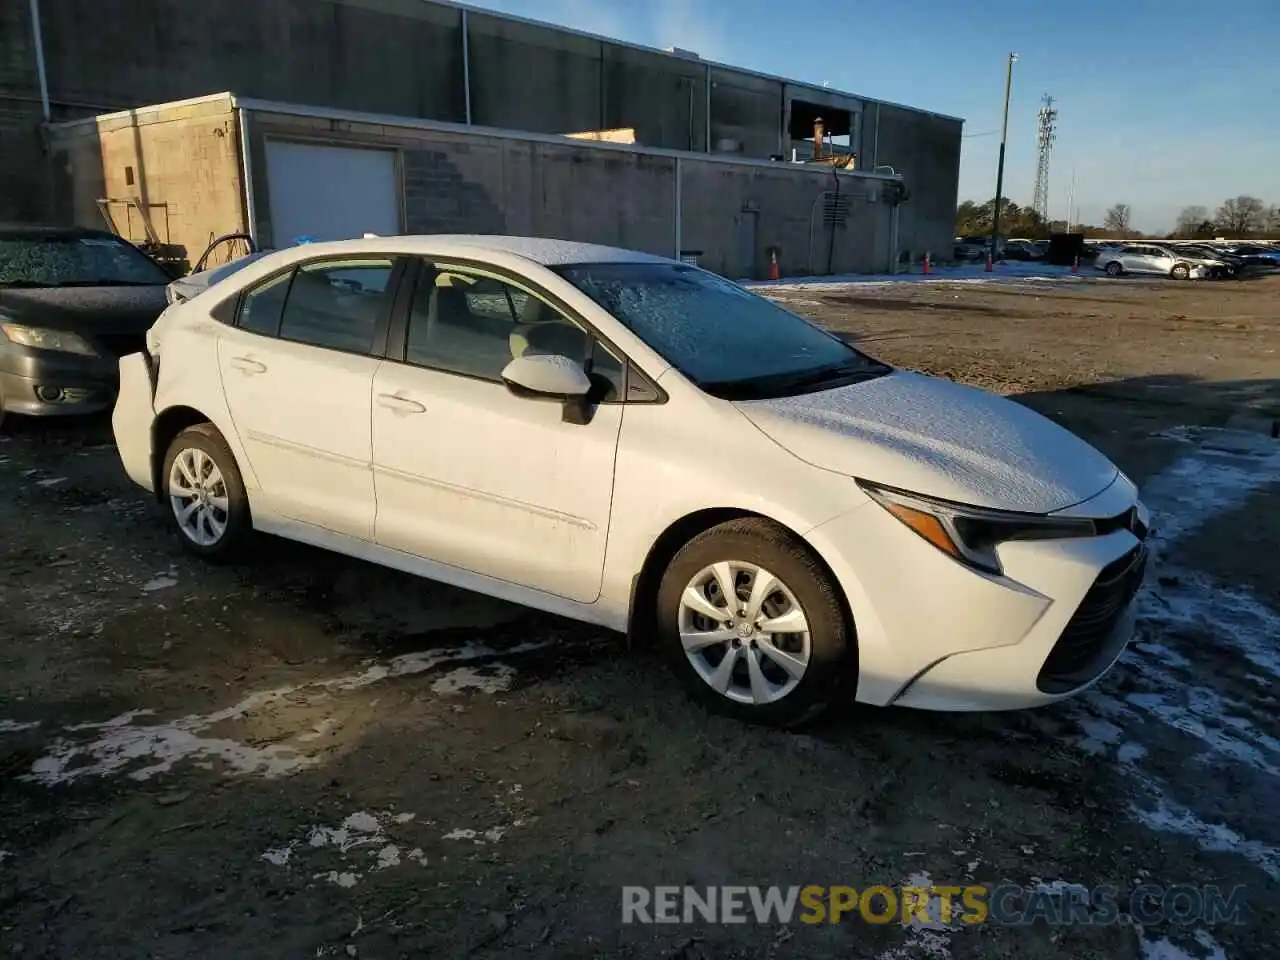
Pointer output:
744, 632
198, 497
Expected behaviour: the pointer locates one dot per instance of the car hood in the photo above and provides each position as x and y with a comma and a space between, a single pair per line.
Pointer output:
85, 309
937, 438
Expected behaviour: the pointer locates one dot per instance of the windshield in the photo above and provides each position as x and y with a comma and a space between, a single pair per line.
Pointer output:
70, 261
729, 341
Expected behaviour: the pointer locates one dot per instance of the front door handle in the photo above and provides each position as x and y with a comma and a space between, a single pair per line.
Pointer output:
248, 365
400, 405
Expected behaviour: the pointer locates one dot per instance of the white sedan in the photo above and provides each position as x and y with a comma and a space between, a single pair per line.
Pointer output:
638, 443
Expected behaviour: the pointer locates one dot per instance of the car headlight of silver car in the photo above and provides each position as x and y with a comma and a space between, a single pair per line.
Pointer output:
970, 535
43, 338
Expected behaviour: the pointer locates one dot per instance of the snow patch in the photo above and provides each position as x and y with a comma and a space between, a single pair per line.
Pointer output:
159, 583
968, 274
1182, 615
51, 482
493, 679
120, 746
1164, 950
481, 837
17, 726
361, 835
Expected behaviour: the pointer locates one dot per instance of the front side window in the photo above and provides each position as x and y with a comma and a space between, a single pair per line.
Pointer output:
337, 304
465, 323
727, 340
50, 260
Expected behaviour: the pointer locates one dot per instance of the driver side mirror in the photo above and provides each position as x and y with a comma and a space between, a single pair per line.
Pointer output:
550, 377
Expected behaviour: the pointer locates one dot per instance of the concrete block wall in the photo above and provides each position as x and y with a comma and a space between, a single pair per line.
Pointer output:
455, 182
182, 163
734, 214
926, 150
405, 58
463, 182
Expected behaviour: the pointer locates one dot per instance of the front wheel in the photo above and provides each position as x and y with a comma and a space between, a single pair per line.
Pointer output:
753, 625
1180, 271
205, 494
1114, 269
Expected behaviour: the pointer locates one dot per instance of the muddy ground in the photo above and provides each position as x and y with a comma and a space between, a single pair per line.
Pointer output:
306, 756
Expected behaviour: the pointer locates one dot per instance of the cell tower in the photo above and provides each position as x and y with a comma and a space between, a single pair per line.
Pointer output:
1045, 137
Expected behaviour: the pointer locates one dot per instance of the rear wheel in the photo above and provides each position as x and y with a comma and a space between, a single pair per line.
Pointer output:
1114, 269
1180, 271
753, 625
205, 494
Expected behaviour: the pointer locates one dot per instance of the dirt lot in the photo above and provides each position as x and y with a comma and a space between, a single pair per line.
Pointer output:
306, 756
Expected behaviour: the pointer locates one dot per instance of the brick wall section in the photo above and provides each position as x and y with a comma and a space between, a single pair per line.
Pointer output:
438, 199
185, 166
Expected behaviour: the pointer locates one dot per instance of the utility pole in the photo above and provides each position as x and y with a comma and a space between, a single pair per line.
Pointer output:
1004, 136
1071, 200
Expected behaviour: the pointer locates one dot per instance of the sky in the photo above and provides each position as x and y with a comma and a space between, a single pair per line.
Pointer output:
1161, 105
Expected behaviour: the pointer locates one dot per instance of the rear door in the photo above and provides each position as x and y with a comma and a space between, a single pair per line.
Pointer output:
297, 369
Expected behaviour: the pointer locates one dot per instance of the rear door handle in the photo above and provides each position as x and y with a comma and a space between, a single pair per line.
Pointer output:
248, 365
400, 405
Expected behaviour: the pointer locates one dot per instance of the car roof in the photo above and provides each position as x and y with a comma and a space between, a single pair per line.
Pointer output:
541, 250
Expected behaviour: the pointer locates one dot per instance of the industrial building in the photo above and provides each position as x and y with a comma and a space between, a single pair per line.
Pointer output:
430, 116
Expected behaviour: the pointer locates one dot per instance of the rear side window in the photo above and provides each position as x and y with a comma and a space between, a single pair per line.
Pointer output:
337, 304
261, 308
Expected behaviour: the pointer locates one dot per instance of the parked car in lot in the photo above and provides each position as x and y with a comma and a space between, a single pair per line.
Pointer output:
972, 248
1147, 258
72, 302
639, 443
1231, 265
184, 288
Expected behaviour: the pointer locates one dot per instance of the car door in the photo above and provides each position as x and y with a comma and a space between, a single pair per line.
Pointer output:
471, 475
1161, 260
297, 369
1134, 258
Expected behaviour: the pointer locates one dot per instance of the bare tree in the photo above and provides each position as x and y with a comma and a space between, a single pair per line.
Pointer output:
1192, 220
1240, 216
1271, 220
1117, 218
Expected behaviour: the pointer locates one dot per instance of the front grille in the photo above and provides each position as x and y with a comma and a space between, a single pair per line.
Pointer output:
121, 344
1075, 658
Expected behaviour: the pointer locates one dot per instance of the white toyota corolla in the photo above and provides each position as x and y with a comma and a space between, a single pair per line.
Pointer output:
638, 443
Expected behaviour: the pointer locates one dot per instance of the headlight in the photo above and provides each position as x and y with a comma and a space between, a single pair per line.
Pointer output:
971, 534
45, 339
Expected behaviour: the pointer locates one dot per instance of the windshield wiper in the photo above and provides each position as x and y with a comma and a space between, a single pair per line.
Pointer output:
780, 385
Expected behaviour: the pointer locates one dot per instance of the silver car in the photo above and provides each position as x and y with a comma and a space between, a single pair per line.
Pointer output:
1151, 259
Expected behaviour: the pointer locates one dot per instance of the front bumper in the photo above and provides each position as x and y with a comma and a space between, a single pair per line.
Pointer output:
52, 383
937, 635
133, 418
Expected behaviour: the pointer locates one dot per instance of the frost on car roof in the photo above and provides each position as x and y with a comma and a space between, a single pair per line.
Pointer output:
552, 253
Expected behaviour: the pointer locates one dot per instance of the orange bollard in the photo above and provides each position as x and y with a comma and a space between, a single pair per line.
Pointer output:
1075, 264
989, 268
773, 266
926, 262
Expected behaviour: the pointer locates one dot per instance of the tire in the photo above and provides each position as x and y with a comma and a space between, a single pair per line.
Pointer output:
1180, 271
1114, 269
221, 521
824, 656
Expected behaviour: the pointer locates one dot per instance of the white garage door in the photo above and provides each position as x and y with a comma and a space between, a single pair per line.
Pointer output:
331, 193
